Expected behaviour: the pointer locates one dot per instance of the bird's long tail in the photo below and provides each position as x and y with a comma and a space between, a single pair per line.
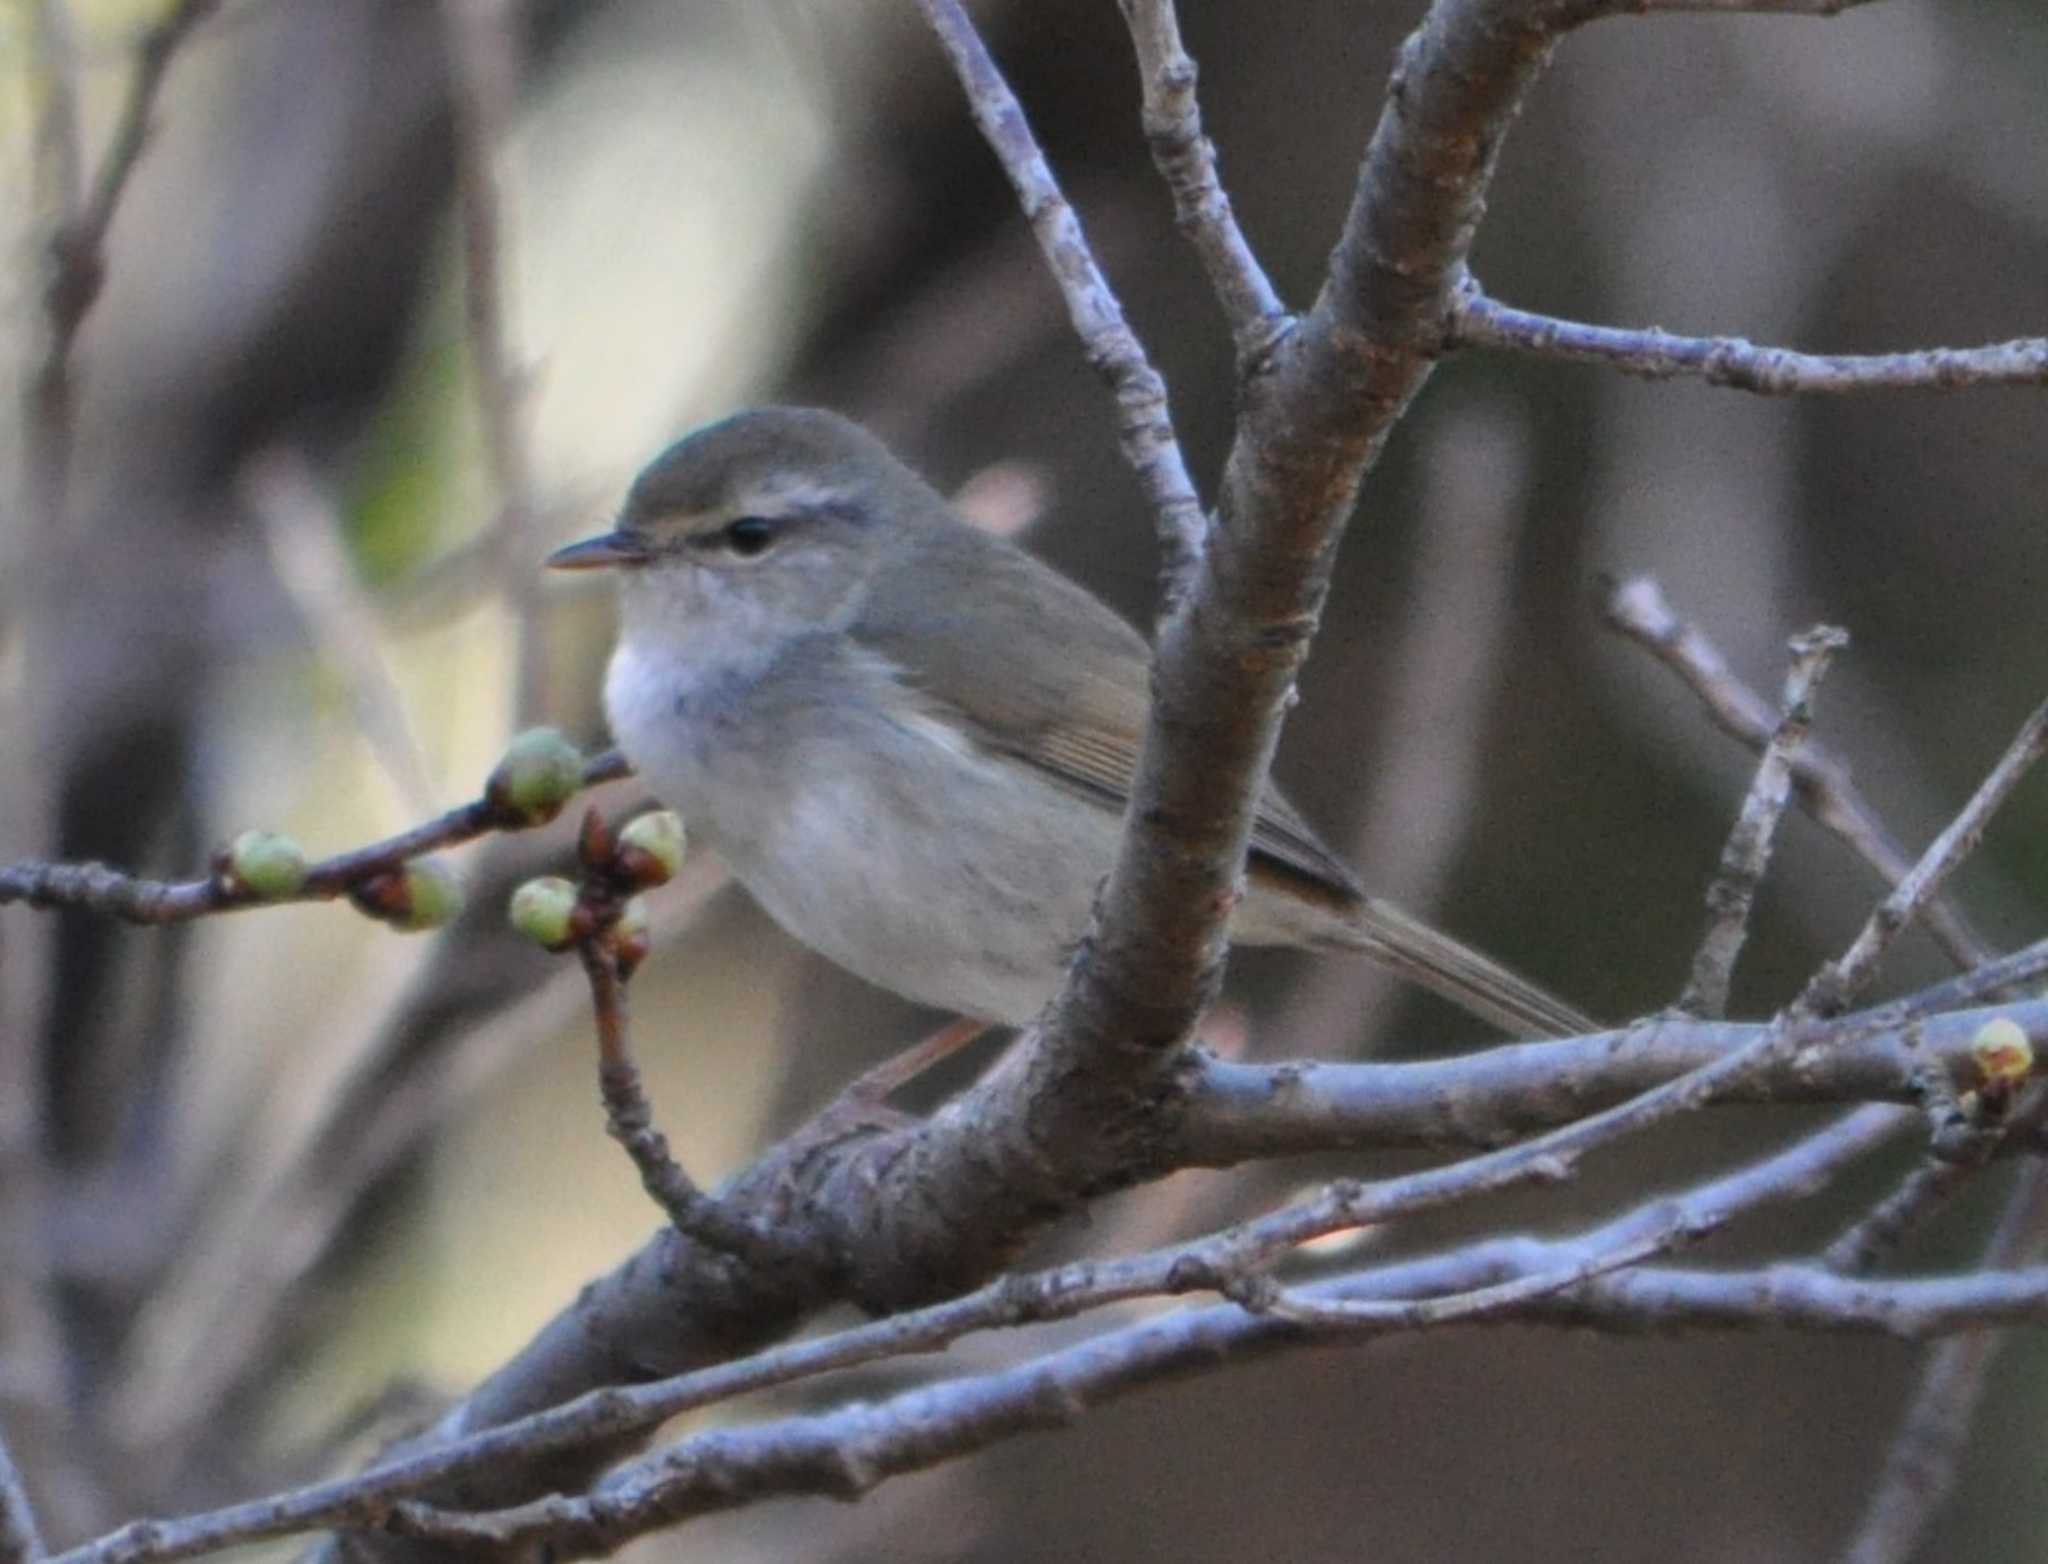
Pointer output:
1458, 973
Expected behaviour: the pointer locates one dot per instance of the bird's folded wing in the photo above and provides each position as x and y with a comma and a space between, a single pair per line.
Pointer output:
1074, 705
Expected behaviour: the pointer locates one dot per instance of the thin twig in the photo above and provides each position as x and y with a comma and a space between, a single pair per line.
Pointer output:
92, 885
21, 1540
1186, 159
1747, 853
483, 38
1144, 422
1840, 981
1481, 322
1929, 1189
226, 1314
67, 289
1827, 791
1921, 1467
609, 955
77, 252
1656, 1228
629, 1118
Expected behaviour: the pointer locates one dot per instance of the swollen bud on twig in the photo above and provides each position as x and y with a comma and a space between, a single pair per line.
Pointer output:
423, 895
539, 773
265, 864
544, 910
630, 936
650, 849
2003, 1055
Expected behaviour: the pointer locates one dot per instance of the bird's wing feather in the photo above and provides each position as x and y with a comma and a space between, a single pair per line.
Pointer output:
1077, 717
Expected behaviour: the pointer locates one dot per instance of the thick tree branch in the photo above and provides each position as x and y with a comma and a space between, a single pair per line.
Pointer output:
1476, 321
1312, 420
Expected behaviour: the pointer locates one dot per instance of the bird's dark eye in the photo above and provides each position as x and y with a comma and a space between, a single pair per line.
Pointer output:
747, 536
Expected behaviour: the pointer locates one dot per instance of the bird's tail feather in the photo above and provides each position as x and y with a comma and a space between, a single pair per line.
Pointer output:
1456, 972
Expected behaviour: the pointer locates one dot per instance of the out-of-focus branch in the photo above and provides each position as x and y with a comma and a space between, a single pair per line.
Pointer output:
304, 534
1827, 792
124, 896
1921, 1466
1916, 1199
1144, 421
1732, 892
21, 1540
1186, 159
483, 38
1476, 321
77, 246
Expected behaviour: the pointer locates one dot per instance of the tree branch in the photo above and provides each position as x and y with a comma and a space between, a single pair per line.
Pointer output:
1186, 159
1144, 421
1920, 1468
1747, 853
124, 896
1476, 321
483, 47
1240, 1112
1827, 791
21, 1540
1841, 980
847, 1451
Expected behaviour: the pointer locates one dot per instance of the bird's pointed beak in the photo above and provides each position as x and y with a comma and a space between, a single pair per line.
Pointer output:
606, 551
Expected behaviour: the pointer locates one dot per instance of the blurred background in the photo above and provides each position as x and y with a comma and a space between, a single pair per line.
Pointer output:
295, 1160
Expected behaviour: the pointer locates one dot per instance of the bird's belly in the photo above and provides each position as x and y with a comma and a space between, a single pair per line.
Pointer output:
961, 889
891, 846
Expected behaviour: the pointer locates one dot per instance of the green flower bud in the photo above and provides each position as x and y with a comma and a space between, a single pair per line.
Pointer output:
544, 910
267, 864
539, 773
423, 895
650, 849
434, 895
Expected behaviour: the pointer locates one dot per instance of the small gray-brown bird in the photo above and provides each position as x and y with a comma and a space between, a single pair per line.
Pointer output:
912, 741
